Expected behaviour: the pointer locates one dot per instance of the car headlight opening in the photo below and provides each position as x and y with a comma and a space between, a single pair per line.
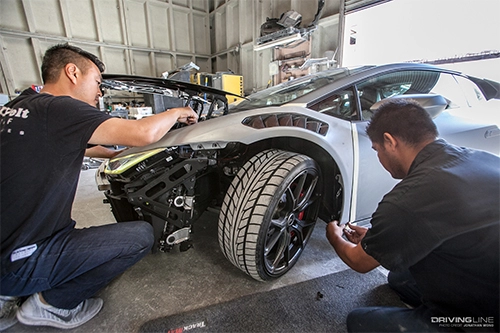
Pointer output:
118, 165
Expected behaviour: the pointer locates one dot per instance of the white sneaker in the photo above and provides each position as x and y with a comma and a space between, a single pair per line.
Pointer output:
8, 308
33, 312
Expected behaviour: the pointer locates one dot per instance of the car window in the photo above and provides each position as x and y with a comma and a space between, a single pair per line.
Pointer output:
464, 95
340, 104
448, 87
393, 84
458, 91
471, 91
289, 91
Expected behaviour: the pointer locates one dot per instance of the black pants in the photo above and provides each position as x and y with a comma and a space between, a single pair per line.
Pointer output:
393, 319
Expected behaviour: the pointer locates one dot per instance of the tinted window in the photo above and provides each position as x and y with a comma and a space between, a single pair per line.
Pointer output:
457, 90
339, 105
291, 90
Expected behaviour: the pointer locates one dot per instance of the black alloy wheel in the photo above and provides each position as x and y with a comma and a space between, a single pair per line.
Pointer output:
269, 213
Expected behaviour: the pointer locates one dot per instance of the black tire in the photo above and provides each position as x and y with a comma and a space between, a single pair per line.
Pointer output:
269, 213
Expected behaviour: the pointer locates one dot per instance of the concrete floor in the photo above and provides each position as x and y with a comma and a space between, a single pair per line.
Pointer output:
169, 283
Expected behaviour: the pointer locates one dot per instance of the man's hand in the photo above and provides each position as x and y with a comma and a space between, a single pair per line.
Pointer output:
354, 233
186, 115
333, 231
352, 254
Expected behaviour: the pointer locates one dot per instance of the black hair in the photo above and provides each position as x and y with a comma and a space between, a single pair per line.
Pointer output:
60, 55
404, 119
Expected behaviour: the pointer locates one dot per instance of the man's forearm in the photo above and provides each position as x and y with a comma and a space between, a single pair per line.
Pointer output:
155, 127
353, 254
343, 248
101, 152
132, 133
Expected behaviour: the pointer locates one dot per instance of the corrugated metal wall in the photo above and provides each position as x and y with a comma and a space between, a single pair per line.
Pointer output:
236, 27
149, 37
142, 37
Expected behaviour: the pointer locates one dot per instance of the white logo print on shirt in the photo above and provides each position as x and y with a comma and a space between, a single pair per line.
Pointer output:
8, 116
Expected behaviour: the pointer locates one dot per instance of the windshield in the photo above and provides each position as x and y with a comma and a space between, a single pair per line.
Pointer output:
290, 90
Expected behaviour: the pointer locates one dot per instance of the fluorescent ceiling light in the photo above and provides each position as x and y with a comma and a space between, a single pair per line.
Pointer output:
278, 42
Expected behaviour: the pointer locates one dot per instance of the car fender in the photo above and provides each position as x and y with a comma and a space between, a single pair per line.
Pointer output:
216, 133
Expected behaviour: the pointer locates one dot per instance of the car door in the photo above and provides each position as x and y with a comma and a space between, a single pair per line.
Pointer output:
373, 181
370, 180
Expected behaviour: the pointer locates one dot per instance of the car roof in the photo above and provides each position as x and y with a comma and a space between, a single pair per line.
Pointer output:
361, 73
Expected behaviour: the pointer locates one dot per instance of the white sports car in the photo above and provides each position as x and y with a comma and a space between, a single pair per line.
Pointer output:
282, 158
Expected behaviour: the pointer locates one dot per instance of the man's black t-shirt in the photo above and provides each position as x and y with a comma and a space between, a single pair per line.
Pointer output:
43, 141
442, 223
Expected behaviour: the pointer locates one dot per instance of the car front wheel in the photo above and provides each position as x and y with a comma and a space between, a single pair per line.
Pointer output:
269, 213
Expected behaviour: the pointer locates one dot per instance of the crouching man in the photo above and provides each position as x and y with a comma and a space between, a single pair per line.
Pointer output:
43, 140
437, 231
